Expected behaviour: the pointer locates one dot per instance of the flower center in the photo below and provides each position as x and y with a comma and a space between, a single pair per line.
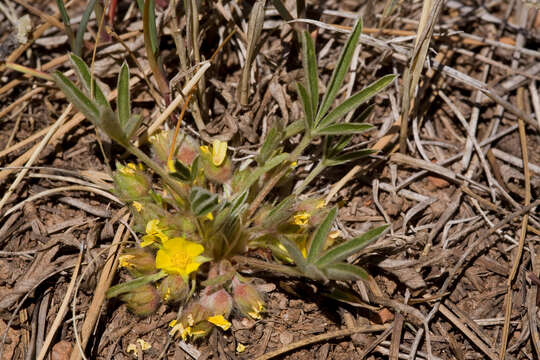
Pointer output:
181, 260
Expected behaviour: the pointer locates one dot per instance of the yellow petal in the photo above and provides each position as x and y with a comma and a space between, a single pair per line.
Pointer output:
170, 166
173, 322
240, 348
205, 150
132, 348
219, 152
144, 344
301, 219
125, 260
138, 206
219, 321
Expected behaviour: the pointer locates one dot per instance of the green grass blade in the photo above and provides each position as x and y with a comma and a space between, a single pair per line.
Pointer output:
309, 61
319, 238
67, 23
341, 252
123, 105
356, 100
306, 104
79, 39
345, 272
282, 10
344, 129
77, 98
340, 71
83, 72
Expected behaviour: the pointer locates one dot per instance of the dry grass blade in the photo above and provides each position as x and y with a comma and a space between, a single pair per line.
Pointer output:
322, 337
256, 20
430, 14
468, 333
105, 281
62, 311
523, 233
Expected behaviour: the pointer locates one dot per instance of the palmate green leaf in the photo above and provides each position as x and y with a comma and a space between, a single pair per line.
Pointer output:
344, 129
202, 201
340, 71
294, 128
342, 251
306, 104
109, 124
294, 253
337, 147
133, 284
259, 171
271, 143
123, 102
77, 98
345, 272
132, 125
320, 235
79, 39
182, 173
279, 213
356, 100
82, 71
309, 61
350, 156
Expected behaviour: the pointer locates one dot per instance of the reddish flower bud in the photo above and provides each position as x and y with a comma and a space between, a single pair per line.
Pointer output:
142, 301
218, 302
247, 299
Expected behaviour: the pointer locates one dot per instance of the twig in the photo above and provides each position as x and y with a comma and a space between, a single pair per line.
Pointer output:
322, 337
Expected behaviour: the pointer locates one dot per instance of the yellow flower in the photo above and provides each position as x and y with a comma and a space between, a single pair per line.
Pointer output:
154, 230
219, 321
301, 219
294, 164
179, 256
138, 206
240, 348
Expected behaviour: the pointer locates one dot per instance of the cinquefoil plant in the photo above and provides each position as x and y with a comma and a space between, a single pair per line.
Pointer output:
203, 211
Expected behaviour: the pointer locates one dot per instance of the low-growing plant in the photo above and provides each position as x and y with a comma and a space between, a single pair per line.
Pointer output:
202, 211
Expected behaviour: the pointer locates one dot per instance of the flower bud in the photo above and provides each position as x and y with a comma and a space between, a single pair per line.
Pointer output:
173, 289
138, 261
218, 302
131, 183
247, 299
142, 301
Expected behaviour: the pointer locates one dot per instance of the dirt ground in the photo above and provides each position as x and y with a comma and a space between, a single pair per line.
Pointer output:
457, 276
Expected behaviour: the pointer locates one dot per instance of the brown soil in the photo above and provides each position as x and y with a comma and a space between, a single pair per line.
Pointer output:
456, 236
